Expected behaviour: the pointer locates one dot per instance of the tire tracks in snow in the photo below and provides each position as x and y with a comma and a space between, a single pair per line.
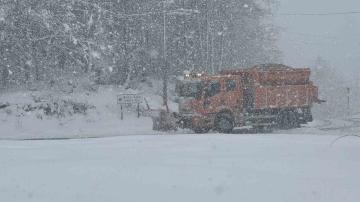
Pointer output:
354, 123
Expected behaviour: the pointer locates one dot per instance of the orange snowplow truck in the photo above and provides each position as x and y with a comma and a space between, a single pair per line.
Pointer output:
264, 97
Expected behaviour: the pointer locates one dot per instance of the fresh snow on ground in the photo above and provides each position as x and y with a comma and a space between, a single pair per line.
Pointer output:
178, 168
127, 161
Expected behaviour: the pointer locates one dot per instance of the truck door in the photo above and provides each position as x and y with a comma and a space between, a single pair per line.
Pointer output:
249, 92
212, 96
232, 95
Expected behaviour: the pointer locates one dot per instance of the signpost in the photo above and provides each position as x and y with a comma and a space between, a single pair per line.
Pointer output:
128, 101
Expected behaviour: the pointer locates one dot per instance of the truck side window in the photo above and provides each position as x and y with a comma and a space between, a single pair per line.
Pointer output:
213, 89
230, 85
246, 80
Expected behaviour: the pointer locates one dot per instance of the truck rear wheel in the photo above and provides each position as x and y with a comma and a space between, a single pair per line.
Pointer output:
288, 120
263, 129
201, 130
224, 123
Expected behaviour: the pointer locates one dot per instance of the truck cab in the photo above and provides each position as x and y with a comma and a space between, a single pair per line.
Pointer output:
205, 97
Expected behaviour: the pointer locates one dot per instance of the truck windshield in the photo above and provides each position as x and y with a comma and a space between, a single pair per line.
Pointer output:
189, 89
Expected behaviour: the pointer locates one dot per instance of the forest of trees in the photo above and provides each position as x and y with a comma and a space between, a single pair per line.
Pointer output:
118, 41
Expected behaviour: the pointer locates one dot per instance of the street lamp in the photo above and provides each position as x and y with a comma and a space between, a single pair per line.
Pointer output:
165, 71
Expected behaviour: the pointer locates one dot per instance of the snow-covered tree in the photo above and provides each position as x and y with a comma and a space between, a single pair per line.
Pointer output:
122, 41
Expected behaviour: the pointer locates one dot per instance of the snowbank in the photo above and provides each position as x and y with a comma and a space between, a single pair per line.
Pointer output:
76, 114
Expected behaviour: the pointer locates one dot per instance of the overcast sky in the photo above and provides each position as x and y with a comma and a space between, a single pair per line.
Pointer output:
336, 38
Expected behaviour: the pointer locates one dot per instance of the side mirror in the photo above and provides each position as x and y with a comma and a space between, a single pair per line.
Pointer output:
206, 103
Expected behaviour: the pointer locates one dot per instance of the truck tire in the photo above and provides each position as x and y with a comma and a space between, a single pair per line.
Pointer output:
308, 115
288, 120
295, 122
201, 130
263, 129
224, 123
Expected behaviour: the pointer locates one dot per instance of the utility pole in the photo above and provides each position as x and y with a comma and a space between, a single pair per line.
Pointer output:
221, 49
348, 90
165, 62
207, 34
165, 67
125, 41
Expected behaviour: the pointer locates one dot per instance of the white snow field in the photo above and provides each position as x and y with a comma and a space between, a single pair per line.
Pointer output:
178, 168
125, 161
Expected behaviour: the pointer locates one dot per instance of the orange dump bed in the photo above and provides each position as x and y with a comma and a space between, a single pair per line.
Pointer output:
274, 74
283, 76
279, 86
287, 96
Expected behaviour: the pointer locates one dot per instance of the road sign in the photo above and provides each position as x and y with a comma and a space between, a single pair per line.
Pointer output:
129, 99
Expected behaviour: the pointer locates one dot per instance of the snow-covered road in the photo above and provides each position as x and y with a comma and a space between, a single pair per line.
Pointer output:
182, 168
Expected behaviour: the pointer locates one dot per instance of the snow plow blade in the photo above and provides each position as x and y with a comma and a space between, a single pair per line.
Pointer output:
165, 121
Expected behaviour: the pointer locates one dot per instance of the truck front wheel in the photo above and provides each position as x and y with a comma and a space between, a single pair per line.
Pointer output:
224, 123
